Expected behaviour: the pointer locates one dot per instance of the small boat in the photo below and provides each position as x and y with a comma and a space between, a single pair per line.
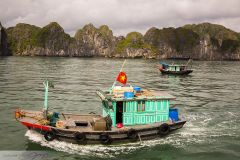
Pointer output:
129, 114
174, 69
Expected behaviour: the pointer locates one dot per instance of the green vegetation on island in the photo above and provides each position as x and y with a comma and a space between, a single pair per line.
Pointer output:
203, 41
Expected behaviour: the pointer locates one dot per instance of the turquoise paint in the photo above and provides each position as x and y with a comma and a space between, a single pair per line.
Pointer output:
155, 111
140, 111
110, 111
128, 119
113, 113
45, 83
105, 110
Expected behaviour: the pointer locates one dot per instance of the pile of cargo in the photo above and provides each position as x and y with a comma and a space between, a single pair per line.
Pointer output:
126, 91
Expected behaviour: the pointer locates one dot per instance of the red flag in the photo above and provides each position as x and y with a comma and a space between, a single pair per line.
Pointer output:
122, 78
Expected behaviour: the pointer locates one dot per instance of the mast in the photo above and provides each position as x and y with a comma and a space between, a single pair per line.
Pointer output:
45, 106
46, 84
190, 60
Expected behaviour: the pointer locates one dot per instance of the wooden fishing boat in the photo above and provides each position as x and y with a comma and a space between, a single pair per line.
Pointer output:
174, 69
129, 114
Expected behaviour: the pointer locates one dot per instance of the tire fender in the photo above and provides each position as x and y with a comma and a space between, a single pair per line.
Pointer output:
105, 138
132, 134
80, 137
163, 129
50, 136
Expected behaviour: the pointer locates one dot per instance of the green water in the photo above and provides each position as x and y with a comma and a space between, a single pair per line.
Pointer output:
209, 99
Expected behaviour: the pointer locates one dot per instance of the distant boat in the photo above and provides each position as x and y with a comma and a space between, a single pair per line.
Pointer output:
175, 69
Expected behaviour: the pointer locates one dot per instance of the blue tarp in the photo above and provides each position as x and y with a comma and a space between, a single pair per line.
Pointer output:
164, 64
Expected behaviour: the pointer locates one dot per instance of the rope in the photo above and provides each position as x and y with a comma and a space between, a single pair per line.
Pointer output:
139, 138
23, 113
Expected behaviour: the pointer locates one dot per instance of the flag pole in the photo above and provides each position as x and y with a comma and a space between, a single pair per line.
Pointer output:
114, 83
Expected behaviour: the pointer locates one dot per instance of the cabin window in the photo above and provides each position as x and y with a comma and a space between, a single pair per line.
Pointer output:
141, 106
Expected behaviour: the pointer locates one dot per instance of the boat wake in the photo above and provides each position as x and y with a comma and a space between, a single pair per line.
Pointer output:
89, 150
101, 150
198, 130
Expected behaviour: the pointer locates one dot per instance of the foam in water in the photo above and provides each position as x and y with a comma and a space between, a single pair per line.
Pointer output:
196, 131
94, 150
100, 150
105, 151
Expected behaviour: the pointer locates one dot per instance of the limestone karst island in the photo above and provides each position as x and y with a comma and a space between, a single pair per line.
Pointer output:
204, 41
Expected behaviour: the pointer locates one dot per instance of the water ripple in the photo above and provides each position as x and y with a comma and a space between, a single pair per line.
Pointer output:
208, 99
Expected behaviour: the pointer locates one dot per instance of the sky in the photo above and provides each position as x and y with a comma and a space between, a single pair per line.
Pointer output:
122, 16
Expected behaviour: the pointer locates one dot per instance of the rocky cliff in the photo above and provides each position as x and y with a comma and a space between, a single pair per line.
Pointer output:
51, 40
3, 42
91, 41
216, 42
202, 41
171, 42
133, 46
29, 40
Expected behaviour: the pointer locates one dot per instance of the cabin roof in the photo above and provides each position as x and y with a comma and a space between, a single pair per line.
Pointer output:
172, 65
177, 65
144, 95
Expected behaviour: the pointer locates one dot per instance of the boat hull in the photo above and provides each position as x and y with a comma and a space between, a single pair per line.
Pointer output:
121, 137
115, 137
87, 135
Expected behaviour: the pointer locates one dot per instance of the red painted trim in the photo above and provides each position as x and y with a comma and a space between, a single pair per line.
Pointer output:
37, 126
